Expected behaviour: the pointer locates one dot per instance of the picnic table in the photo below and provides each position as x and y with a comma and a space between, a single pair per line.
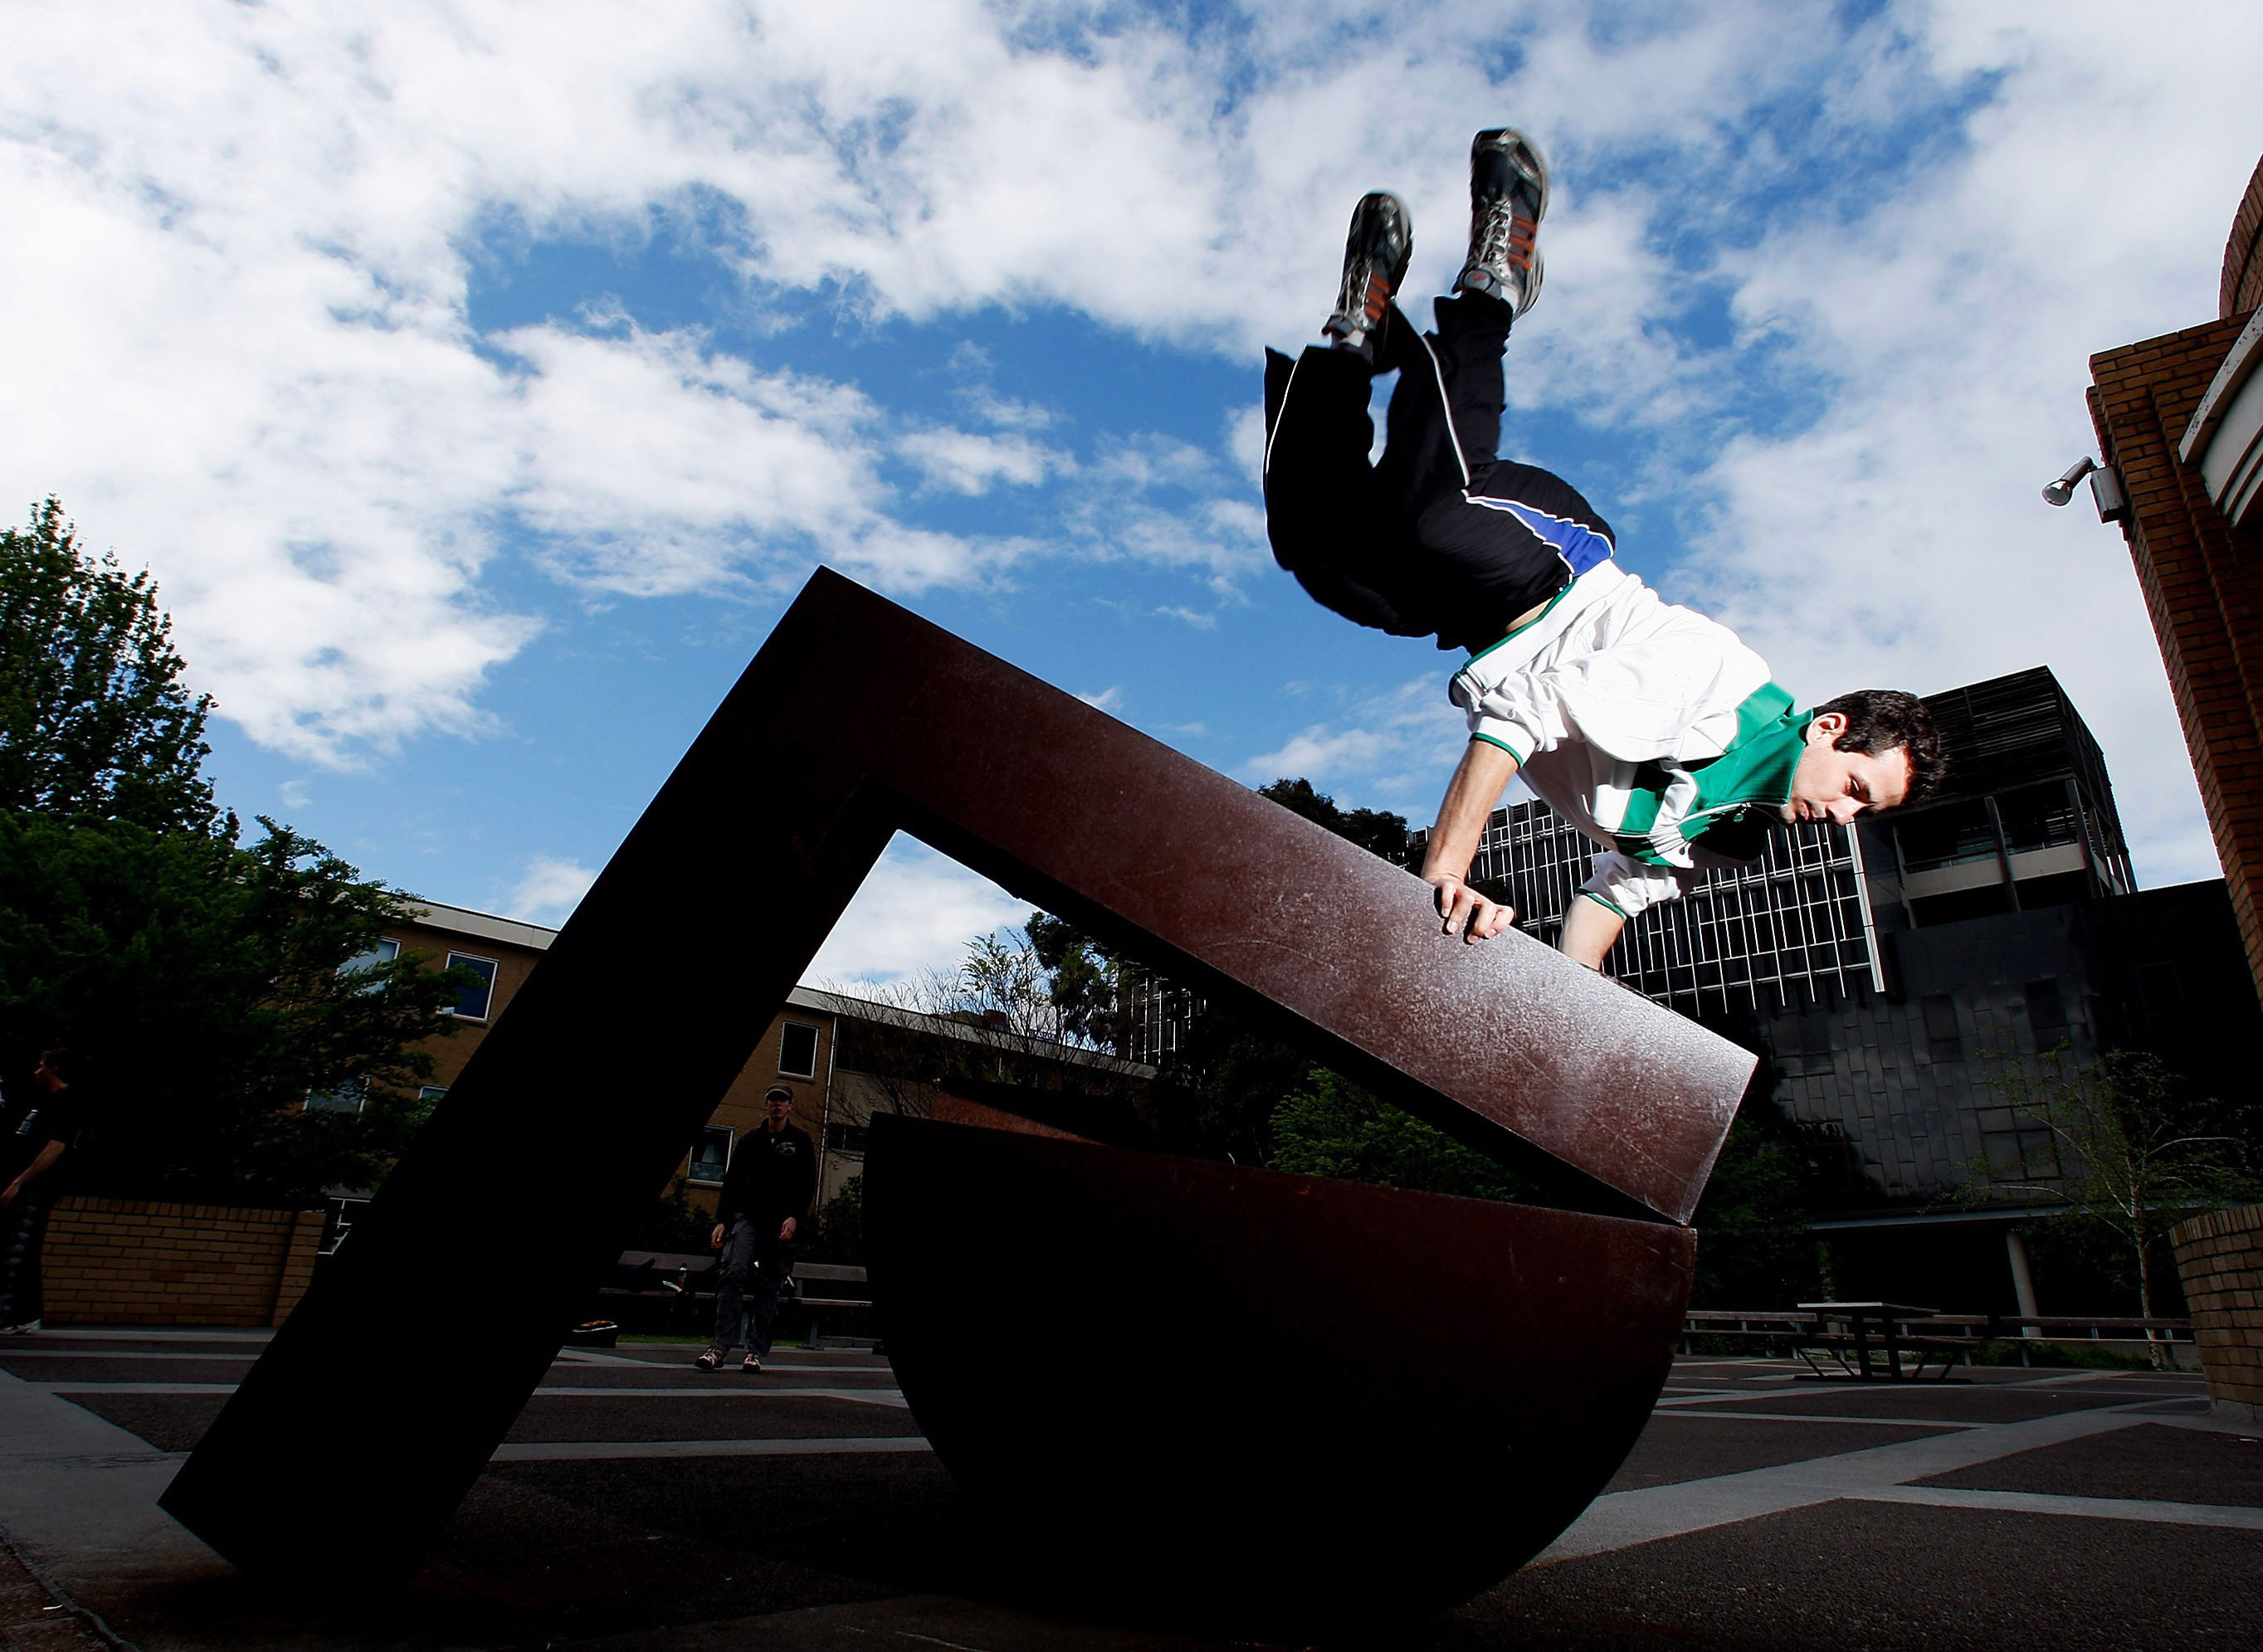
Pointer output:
1869, 1325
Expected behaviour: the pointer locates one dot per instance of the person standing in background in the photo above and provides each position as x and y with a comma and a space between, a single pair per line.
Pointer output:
766, 1196
41, 1136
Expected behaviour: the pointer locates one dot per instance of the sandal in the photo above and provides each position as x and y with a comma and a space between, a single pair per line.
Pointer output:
753, 1362
710, 1360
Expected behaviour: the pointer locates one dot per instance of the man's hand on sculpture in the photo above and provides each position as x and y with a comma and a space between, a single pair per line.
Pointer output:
1466, 912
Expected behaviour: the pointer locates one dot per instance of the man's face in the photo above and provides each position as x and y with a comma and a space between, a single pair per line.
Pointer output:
1829, 785
779, 1107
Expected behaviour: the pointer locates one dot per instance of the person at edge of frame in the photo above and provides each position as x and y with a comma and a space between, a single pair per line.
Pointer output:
41, 1136
1651, 728
766, 1196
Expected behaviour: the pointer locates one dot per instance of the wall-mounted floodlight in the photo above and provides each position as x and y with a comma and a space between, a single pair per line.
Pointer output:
2062, 490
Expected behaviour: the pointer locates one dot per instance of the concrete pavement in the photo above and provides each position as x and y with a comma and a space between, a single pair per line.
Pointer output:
641, 1503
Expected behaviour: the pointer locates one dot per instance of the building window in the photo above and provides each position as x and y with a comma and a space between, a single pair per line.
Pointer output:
1943, 1042
1805, 1040
2028, 1153
383, 952
349, 1096
846, 1138
474, 1000
2046, 1014
710, 1154
431, 1093
797, 1050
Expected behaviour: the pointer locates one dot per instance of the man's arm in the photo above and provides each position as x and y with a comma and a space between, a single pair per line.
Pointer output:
1482, 776
38, 1166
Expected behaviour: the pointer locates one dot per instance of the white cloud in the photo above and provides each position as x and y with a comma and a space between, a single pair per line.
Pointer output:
1109, 699
550, 889
1397, 747
914, 915
248, 244
1899, 538
964, 462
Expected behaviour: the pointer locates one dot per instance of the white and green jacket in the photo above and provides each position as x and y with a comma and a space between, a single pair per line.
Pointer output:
1651, 728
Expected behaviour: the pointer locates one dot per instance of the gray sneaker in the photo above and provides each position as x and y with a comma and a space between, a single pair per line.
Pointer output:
1508, 197
1376, 252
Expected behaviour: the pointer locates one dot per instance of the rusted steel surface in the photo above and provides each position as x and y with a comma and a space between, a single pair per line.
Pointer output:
1256, 1389
857, 719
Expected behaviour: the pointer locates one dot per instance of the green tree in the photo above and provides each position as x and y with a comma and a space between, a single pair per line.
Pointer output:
94, 718
1328, 1126
841, 1227
2138, 1148
210, 992
1377, 831
1754, 1249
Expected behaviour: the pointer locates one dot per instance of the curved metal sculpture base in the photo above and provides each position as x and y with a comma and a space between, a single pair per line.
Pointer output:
1244, 1390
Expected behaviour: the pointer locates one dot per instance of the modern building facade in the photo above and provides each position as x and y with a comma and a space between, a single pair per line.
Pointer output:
1895, 973
2179, 423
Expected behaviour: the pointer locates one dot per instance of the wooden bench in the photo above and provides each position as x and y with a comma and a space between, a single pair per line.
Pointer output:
829, 1291
838, 1291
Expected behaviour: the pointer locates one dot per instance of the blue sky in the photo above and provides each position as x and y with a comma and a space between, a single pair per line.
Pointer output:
482, 381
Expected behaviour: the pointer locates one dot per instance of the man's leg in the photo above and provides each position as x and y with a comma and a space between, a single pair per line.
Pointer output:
776, 1257
20, 1285
1503, 538
1321, 505
731, 1283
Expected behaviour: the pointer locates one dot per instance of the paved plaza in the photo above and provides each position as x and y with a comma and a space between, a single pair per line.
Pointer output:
641, 1503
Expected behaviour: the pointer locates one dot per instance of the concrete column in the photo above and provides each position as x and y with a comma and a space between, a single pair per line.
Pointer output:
2023, 1279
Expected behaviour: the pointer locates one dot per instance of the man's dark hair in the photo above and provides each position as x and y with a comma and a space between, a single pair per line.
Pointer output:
1878, 720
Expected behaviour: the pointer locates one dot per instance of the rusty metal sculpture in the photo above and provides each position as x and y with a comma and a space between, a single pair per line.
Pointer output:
1521, 1346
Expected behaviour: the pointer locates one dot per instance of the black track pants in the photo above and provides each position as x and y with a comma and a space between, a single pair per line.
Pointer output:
1440, 537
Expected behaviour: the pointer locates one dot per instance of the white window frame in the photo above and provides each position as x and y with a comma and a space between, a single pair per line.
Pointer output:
350, 1097
384, 951
692, 1159
487, 1010
816, 1035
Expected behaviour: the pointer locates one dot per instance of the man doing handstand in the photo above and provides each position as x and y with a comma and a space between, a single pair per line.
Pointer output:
1651, 728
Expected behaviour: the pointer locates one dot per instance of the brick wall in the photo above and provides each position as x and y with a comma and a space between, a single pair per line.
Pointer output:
2220, 1257
2243, 255
2203, 587
131, 1262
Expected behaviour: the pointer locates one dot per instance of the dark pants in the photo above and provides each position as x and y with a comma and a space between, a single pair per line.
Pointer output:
755, 1266
1440, 536
23, 1228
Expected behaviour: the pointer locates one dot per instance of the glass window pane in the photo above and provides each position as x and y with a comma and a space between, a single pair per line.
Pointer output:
472, 1002
710, 1154
797, 1050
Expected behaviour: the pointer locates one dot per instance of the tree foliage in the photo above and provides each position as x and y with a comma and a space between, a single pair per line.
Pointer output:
1377, 831
1328, 1126
207, 988
203, 986
94, 718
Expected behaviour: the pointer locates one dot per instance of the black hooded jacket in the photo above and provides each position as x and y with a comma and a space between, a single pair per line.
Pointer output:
772, 1176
